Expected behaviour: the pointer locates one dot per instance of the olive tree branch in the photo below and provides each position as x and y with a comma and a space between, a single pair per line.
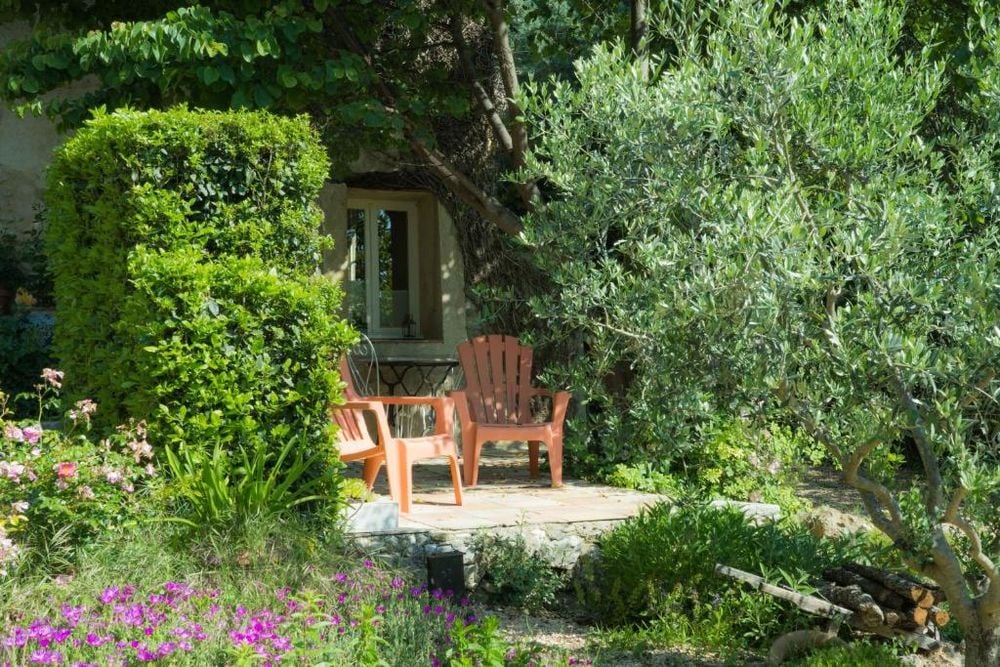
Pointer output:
932, 470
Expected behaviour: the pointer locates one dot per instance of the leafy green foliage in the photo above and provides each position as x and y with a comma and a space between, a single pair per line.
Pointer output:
764, 228
287, 56
662, 562
183, 245
856, 654
60, 488
701, 152
741, 461
512, 574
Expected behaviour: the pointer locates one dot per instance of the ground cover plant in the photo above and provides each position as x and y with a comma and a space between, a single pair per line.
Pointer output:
277, 591
856, 655
512, 574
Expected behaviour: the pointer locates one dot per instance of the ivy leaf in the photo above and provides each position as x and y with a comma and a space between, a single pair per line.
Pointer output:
286, 77
262, 97
208, 74
240, 100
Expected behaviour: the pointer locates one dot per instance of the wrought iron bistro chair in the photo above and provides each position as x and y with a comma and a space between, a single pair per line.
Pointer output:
396, 454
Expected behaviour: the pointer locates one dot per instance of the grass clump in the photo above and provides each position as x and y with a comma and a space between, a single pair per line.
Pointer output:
861, 654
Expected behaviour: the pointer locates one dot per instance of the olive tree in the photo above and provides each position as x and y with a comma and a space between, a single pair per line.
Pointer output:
766, 221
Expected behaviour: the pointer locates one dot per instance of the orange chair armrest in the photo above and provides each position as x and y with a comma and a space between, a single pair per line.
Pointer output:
444, 407
462, 405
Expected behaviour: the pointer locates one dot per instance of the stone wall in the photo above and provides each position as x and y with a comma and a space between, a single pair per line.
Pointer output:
26, 146
561, 545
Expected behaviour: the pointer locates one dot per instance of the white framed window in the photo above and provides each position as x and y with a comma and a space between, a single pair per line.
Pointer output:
382, 274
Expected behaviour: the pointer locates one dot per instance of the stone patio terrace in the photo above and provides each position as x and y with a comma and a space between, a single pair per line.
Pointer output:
507, 496
561, 524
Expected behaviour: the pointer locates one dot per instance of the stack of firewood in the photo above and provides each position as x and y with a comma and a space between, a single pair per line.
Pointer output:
884, 600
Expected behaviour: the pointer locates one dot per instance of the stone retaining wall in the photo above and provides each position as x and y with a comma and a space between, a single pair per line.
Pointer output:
560, 544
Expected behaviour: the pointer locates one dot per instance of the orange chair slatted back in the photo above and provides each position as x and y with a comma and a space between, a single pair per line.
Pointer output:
498, 379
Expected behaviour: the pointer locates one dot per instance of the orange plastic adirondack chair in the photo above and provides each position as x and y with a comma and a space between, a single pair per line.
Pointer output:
397, 454
496, 404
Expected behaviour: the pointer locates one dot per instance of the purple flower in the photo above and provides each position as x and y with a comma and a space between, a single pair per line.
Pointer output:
46, 657
109, 594
32, 434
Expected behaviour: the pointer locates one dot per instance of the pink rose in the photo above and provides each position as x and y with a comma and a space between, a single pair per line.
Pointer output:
32, 433
12, 432
113, 476
53, 377
65, 470
12, 470
83, 409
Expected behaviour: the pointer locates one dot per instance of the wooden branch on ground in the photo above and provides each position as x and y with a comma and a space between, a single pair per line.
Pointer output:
807, 603
902, 586
852, 597
921, 641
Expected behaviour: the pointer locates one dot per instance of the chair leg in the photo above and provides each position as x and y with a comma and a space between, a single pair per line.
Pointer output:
533, 458
372, 466
406, 472
456, 478
556, 459
394, 473
471, 449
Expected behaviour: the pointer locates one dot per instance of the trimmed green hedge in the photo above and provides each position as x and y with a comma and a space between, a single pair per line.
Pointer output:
184, 247
229, 351
224, 183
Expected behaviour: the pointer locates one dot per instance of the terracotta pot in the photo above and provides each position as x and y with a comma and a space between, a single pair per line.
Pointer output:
6, 300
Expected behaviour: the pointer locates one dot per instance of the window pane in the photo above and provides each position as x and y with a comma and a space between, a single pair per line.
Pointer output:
393, 267
354, 291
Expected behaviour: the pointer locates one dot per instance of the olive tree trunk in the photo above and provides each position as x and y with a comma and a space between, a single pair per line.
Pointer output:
982, 646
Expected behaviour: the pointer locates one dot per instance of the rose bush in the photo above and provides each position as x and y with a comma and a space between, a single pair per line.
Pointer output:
59, 486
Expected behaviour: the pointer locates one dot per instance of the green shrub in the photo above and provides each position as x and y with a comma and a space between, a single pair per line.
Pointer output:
512, 574
60, 488
184, 248
238, 184
661, 564
740, 460
237, 379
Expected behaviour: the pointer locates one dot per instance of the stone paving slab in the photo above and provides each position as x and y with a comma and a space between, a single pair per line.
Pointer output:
507, 496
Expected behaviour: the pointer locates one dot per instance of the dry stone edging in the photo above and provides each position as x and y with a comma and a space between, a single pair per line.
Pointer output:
560, 544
